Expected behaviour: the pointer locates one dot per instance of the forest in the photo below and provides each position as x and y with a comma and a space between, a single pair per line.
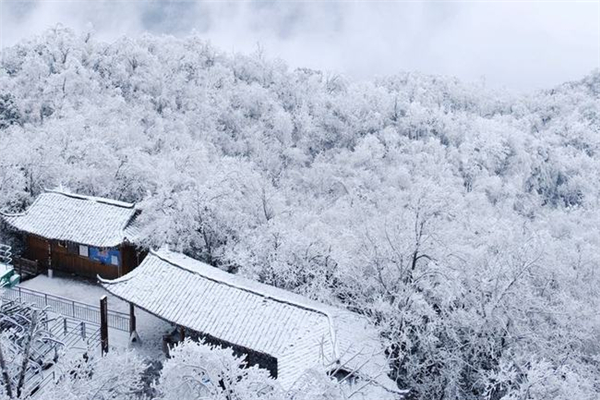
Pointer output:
462, 220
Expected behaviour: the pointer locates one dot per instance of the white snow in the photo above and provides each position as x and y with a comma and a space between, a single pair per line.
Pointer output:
300, 333
60, 216
149, 328
93, 198
5, 268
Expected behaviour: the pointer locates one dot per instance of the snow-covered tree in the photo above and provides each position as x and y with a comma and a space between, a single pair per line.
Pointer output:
197, 370
460, 219
117, 375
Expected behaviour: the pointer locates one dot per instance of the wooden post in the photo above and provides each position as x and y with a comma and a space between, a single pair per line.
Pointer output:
49, 255
104, 324
120, 266
131, 319
182, 332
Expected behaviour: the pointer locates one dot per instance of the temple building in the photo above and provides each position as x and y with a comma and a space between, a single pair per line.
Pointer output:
84, 235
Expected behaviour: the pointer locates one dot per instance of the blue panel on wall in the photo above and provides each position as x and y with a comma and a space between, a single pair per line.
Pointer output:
105, 256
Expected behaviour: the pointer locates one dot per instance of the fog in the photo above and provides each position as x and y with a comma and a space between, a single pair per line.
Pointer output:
518, 45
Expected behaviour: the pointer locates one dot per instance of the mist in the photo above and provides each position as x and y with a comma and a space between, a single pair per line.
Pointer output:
521, 46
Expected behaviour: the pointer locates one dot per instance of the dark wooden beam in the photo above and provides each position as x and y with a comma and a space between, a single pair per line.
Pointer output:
132, 327
49, 254
104, 324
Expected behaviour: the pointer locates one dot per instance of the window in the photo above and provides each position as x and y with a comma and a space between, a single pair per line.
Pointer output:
114, 260
83, 251
72, 248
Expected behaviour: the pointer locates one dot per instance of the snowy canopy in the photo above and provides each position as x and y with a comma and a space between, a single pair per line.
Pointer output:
87, 220
298, 332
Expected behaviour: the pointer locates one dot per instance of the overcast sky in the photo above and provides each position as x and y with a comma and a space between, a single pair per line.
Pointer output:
521, 45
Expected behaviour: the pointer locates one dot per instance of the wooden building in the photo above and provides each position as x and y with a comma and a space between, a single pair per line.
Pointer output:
84, 235
280, 331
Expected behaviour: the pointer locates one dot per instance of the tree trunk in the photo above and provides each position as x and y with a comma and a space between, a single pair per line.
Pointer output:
26, 352
5, 375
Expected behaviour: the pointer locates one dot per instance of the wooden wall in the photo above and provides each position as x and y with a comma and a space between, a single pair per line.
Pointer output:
36, 249
252, 357
130, 258
62, 260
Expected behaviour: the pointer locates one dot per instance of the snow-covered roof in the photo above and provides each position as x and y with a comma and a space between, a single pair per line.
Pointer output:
87, 220
299, 333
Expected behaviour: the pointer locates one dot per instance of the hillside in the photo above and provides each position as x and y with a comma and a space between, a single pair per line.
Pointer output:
464, 221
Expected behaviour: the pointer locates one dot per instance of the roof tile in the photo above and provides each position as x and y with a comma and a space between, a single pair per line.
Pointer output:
81, 219
300, 333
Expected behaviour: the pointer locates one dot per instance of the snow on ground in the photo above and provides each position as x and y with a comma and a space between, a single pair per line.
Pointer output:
74, 289
150, 328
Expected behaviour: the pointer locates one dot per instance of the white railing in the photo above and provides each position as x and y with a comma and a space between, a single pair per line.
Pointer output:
66, 307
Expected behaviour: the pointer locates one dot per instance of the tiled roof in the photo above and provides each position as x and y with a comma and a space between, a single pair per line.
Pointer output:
82, 219
300, 333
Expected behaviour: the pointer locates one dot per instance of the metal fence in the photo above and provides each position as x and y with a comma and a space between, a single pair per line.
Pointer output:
69, 334
53, 337
66, 307
5, 254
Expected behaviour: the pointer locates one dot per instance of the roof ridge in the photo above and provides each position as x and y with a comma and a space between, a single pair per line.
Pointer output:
101, 200
136, 212
56, 215
326, 313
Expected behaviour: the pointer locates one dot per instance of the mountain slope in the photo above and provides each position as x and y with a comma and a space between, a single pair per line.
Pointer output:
462, 220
